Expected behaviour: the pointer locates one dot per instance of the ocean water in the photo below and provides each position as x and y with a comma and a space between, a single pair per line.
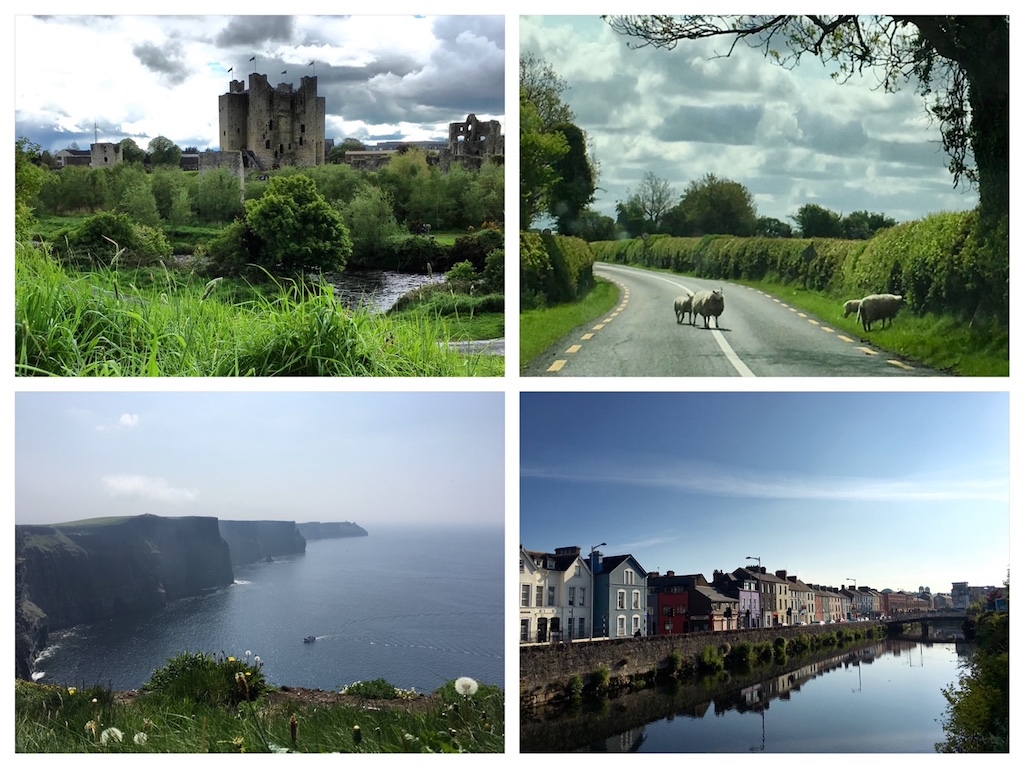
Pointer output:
417, 607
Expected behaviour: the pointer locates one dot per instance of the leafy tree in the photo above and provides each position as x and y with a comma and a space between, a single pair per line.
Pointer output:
769, 227
539, 152
713, 206
960, 62
131, 152
163, 151
337, 183
191, 150
630, 217
406, 173
574, 188
75, 189
181, 207
593, 226
337, 153
139, 203
486, 199
652, 199
816, 221
218, 196
371, 223
861, 225
165, 182
543, 88
296, 228
28, 181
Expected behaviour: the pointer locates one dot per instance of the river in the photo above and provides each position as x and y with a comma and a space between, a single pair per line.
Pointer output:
376, 290
415, 606
885, 696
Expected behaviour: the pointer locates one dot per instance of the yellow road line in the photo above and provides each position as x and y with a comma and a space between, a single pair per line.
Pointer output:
574, 349
867, 350
587, 336
900, 364
556, 366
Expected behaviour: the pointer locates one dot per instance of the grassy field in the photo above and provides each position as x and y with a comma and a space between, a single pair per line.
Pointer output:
104, 323
540, 328
198, 703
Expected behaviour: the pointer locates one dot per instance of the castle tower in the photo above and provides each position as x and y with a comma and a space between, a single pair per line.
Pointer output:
276, 126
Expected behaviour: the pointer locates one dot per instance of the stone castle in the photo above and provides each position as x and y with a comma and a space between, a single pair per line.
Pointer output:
274, 127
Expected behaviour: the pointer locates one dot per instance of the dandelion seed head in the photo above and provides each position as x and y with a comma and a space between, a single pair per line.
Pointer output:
467, 686
141, 738
111, 734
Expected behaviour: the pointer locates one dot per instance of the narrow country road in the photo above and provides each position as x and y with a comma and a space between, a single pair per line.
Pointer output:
759, 336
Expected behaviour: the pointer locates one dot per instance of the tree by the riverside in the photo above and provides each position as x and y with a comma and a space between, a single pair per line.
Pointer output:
295, 228
960, 63
714, 206
163, 151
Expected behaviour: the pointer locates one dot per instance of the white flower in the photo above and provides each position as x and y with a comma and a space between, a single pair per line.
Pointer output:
248, 654
111, 734
467, 686
257, 659
141, 738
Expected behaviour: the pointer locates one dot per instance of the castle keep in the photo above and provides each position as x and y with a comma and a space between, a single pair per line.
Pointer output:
273, 127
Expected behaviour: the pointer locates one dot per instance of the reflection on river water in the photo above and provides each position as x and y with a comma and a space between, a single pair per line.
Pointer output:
885, 696
376, 290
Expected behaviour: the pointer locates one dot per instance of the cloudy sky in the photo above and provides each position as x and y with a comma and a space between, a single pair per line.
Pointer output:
790, 137
376, 459
891, 489
385, 78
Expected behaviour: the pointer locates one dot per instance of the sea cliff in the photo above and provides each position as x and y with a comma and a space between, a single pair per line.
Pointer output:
87, 571
330, 530
250, 541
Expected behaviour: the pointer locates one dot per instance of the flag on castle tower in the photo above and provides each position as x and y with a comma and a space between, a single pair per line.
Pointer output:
231, 69
284, 71
253, 59
310, 64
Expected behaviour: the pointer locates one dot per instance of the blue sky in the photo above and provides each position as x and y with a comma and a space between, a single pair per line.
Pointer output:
890, 489
791, 137
373, 458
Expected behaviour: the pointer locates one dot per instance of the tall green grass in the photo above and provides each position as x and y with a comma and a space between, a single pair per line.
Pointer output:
96, 324
200, 703
540, 328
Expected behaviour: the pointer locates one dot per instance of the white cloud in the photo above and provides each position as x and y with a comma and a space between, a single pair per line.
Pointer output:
155, 488
129, 420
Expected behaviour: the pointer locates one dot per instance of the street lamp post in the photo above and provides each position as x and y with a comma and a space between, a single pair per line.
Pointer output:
853, 604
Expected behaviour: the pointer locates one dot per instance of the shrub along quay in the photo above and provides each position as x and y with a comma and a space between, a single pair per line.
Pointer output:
551, 672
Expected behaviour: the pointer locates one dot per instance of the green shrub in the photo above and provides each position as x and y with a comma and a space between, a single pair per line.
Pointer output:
475, 248
201, 677
462, 276
711, 660
415, 253
372, 689
742, 656
575, 687
601, 676
494, 272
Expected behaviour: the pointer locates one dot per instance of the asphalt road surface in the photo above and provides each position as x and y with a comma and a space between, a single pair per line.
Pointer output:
759, 336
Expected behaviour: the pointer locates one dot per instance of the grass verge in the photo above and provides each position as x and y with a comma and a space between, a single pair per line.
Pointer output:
943, 343
540, 328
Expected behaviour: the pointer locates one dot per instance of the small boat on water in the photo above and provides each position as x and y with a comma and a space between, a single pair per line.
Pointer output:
309, 639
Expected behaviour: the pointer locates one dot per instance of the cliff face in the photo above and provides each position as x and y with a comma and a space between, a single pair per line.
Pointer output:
87, 571
250, 541
330, 530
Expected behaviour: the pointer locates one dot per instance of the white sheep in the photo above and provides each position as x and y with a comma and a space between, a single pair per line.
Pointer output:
851, 307
878, 306
707, 304
683, 306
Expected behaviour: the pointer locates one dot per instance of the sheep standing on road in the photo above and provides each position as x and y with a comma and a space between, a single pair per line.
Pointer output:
708, 304
683, 306
878, 306
851, 307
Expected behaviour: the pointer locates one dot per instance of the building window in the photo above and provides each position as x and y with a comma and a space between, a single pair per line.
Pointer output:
620, 626
302, 128
636, 599
629, 577
582, 628
583, 594
271, 125
636, 623
620, 601
524, 630
540, 596
520, 565
578, 569
551, 596
572, 595
524, 600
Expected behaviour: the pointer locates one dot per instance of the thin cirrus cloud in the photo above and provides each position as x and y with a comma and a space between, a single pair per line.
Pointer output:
711, 480
154, 488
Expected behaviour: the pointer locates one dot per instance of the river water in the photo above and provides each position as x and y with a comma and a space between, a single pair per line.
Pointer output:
376, 290
417, 607
885, 696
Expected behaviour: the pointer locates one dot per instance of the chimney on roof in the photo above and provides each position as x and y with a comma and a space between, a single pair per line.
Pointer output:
670, 573
567, 550
781, 575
